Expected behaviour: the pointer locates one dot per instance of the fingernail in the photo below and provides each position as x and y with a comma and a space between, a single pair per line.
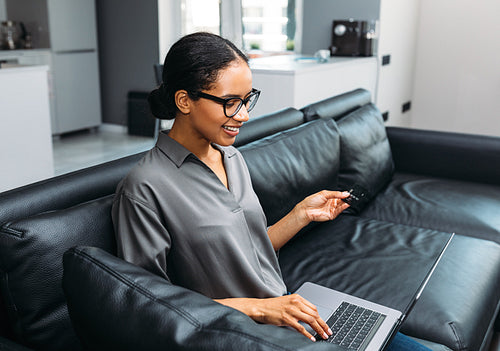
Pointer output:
329, 331
313, 338
325, 336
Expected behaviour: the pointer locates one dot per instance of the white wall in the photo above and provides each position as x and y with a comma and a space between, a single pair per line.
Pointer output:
397, 37
457, 77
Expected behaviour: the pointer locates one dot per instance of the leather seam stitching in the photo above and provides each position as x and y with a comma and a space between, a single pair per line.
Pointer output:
457, 336
11, 231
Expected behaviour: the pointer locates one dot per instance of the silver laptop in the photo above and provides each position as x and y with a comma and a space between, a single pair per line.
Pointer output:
358, 324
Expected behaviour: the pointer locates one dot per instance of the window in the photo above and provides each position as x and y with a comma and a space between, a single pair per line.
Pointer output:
200, 15
268, 25
263, 25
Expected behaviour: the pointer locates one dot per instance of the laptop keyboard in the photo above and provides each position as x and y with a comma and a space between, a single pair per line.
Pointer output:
353, 326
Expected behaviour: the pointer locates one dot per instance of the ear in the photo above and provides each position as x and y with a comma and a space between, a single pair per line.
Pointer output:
183, 101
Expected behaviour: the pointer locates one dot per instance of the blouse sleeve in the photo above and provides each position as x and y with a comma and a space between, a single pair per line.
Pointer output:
141, 237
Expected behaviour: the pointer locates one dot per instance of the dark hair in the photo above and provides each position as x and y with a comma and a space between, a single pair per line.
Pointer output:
193, 64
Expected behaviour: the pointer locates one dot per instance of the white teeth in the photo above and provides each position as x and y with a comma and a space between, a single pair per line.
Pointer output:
232, 129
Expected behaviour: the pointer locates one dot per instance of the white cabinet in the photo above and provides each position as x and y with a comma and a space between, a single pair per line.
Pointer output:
72, 24
77, 94
294, 81
25, 138
68, 30
40, 57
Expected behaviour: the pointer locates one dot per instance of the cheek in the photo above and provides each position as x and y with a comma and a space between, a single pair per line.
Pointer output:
205, 113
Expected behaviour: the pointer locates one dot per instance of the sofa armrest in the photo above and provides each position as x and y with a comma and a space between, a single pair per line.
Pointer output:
8, 345
449, 155
116, 305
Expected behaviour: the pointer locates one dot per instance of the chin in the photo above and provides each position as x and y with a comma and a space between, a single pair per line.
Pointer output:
226, 142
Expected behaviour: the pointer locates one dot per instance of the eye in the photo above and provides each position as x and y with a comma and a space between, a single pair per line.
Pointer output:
232, 103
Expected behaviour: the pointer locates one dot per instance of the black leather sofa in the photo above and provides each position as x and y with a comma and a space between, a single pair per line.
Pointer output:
62, 288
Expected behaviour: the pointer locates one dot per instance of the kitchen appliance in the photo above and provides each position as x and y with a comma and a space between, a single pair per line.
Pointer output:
10, 36
352, 38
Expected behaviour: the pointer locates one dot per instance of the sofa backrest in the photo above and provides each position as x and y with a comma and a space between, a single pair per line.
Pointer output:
65, 190
290, 165
337, 106
262, 126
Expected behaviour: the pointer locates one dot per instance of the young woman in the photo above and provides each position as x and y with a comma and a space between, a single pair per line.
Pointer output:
188, 211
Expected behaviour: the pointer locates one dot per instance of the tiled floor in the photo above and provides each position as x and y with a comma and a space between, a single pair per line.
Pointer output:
89, 148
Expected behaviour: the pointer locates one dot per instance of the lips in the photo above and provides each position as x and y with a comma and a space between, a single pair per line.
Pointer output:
232, 129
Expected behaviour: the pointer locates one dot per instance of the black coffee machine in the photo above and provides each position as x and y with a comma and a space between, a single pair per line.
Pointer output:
352, 38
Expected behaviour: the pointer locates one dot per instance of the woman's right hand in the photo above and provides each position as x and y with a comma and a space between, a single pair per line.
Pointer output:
287, 310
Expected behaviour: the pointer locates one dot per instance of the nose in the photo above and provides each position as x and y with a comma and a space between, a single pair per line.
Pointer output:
242, 115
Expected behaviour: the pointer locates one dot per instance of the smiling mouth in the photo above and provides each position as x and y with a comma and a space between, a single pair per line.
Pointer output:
232, 129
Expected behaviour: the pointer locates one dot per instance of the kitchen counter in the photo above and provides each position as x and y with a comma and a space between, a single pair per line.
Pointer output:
25, 133
297, 64
294, 80
25, 56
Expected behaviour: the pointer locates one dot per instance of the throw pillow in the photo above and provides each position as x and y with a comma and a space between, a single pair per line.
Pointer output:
31, 250
365, 153
115, 305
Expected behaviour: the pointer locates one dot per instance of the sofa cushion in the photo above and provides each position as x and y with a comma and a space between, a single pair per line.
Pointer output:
31, 251
459, 305
466, 208
349, 253
115, 305
385, 262
288, 166
365, 154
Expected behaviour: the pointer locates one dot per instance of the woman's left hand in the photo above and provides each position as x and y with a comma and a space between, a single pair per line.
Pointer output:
323, 206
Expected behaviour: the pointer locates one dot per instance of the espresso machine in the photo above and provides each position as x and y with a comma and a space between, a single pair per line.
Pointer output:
353, 38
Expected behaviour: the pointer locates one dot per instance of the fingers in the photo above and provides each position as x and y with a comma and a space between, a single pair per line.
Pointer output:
309, 315
332, 194
341, 205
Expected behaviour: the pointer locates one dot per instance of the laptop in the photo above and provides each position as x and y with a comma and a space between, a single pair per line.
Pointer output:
358, 324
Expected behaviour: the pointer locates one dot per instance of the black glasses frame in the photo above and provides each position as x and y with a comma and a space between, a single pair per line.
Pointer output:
254, 93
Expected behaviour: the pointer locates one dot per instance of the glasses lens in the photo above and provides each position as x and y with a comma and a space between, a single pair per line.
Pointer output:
252, 100
232, 106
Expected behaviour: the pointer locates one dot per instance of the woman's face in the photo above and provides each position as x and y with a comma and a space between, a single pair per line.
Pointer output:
207, 117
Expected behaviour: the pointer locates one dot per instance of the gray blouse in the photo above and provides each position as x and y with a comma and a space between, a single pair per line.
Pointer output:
173, 216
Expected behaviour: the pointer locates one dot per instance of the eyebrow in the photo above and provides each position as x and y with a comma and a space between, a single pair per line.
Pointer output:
228, 96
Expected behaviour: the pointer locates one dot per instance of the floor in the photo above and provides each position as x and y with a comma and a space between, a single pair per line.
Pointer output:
91, 147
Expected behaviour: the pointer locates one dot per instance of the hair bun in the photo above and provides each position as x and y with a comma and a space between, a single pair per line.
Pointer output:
156, 102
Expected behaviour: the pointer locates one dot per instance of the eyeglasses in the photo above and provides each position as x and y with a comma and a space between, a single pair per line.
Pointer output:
233, 105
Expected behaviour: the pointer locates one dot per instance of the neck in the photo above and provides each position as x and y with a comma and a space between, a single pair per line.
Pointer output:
199, 146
